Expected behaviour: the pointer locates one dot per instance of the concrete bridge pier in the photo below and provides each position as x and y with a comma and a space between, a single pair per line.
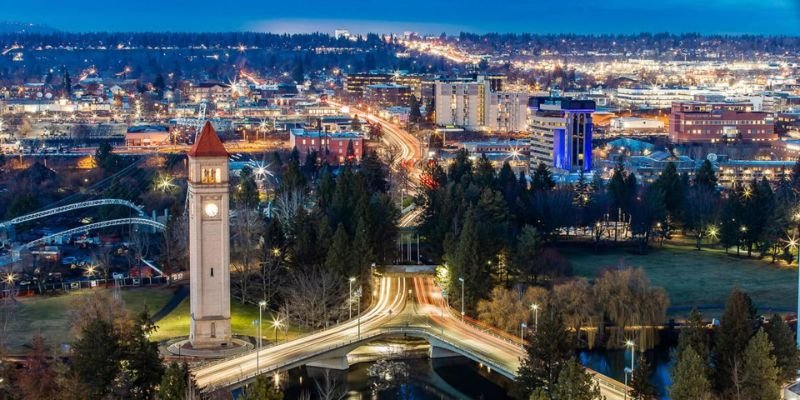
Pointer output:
337, 363
441, 352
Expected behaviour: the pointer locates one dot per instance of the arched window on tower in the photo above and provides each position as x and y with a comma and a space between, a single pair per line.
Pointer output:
211, 175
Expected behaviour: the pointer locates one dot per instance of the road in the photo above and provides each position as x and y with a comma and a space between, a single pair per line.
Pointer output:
394, 313
390, 302
489, 343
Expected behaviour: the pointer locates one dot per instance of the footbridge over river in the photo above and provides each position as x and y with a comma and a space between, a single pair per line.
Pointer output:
404, 307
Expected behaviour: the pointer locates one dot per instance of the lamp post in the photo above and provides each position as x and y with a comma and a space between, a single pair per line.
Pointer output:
793, 244
351, 280
632, 346
522, 327
358, 305
276, 324
462, 297
261, 305
535, 308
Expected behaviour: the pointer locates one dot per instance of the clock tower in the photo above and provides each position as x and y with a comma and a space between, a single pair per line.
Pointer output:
209, 244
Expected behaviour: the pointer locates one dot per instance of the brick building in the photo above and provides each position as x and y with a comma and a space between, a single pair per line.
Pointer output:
715, 122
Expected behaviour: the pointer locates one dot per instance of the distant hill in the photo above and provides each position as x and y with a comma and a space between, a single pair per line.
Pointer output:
21, 27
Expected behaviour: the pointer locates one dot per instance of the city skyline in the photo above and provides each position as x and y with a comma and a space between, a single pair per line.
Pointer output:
582, 17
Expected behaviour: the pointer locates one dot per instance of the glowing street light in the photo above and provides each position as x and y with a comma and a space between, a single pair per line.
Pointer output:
165, 183
277, 324
792, 243
462, 297
261, 305
351, 280
535, 308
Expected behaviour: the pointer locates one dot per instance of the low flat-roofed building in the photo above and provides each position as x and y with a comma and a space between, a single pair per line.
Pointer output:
732, 173
147, 135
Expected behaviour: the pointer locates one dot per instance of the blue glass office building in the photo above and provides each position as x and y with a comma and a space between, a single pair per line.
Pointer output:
561, 130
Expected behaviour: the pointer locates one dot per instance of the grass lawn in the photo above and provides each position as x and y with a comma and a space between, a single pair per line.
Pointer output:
49, 315
698, 278
176, 323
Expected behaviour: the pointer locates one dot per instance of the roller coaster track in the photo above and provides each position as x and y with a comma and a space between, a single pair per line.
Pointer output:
71, 207
96, 225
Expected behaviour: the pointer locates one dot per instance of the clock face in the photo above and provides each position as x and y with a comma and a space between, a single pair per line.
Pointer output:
211, 210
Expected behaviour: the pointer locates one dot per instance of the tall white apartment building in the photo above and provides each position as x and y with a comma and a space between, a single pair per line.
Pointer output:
480, 104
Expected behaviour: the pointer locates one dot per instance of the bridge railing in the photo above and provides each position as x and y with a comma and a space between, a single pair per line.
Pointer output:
301, 336
242, 378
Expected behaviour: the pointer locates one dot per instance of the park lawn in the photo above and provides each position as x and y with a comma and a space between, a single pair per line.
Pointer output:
176, 323
50, 316
698, 278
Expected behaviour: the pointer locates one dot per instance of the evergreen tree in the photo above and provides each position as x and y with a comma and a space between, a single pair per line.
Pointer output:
142, 359
37, 380
96, 358
670, 184
527, 255
705, 177
176, 382
574, 383
617, 188
298, 71
759, 376
106, 159
551, 348
694, 335
784, 348
339, 255
736, 327
689, 377
326, 189
262, 389
362, 250
293, 178
542, 178
374, 173
641, 388
246, 193
356, 124
414, 114
484, 175
469, 262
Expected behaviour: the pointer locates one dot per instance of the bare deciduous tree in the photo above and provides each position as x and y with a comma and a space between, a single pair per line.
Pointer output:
329, 388
314, 297
287, 204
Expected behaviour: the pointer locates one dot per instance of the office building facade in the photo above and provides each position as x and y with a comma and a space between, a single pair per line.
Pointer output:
561, 134
719, 122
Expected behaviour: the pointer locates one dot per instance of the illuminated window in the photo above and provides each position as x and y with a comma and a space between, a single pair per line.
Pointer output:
211, 175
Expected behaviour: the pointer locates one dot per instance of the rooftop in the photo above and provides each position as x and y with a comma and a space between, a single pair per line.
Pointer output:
208, 144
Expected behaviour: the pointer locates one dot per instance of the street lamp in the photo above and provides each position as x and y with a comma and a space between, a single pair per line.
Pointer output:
277, 324
358, 305
632, 346
792, 243
462, 297
522, 327
535, 308
352, 279
261, 305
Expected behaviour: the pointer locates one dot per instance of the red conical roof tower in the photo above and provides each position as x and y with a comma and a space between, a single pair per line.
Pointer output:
208, 144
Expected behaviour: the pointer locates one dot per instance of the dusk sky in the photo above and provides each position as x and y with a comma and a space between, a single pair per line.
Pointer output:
425, 16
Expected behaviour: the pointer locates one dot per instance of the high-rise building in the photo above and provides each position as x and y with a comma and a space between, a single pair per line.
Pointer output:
716, 122
561, 134
480, 104
209, 242
388, 95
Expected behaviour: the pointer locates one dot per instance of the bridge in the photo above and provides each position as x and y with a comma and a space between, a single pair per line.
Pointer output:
410, 307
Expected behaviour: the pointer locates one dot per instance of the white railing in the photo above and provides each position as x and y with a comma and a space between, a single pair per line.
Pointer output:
71, 207
96, 225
